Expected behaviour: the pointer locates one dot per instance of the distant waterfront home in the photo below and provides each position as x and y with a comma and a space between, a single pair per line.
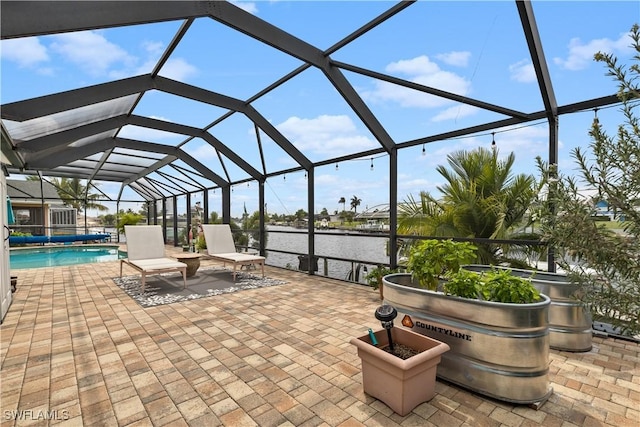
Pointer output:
38, 210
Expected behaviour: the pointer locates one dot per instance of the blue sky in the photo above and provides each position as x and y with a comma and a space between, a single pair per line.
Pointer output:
475, 49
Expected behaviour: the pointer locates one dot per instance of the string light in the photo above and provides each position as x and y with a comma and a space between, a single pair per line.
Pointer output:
595, 114
424, 152
372, 163
284, 177
493, 141
305, 174
336, 166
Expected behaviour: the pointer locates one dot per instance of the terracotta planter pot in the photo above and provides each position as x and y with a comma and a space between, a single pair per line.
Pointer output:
400, 384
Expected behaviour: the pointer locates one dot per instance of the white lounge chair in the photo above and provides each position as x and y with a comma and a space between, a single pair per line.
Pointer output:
220, 246
145, 253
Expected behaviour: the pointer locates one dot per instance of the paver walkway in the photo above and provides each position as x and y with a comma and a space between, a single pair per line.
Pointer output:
76, 350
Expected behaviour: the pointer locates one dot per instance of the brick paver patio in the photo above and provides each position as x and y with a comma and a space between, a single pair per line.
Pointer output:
76, 350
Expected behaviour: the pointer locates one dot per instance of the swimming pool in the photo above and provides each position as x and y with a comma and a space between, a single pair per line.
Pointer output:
64, 255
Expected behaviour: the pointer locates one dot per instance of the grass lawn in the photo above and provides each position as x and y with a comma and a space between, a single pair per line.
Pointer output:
612, 225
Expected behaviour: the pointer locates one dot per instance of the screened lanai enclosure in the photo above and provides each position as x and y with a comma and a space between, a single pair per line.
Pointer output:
271, 107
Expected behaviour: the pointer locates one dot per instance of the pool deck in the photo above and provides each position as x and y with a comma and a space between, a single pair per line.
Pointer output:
76, 350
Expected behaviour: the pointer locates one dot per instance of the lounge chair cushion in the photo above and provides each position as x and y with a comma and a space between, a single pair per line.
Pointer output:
157, 263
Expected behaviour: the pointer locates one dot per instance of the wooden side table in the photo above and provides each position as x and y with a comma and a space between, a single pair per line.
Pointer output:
191, 259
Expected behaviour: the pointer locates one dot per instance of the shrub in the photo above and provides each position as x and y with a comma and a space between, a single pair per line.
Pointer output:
464, 284
374, 277
502, 286
495, 285
430, 260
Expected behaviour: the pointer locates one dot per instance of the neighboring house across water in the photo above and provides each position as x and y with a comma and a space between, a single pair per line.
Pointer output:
604, 210
374, 219
39, 211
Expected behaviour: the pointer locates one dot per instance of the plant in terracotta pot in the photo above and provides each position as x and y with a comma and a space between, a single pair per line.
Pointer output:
398, 365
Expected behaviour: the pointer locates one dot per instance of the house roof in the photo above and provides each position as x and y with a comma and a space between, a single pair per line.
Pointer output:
27, 190
375, 212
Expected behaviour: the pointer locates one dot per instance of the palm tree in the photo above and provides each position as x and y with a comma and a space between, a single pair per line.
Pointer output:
74, 193
481, 198
343, 201
355, 202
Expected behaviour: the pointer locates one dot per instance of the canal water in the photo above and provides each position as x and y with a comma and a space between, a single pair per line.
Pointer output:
366, 250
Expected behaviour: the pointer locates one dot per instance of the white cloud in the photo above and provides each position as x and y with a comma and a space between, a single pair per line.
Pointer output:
153, 47
175, 68
178, 69
326, 135
201, 151
91, 51
423, 71
247, 6
523, 72
455, 112
154, 51
581, 54
329, 180
147, 134
526, 142
45, 71
458, 59
415, 185
27, 52
418, 66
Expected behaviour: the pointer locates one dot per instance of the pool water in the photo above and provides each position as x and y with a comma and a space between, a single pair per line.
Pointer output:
59, 256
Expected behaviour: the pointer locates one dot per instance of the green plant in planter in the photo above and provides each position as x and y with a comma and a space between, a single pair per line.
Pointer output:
502, 286
200, 243
374, 277
464, 284
495, 285
430, 260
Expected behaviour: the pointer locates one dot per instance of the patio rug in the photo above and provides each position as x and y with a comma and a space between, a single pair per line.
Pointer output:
168, 288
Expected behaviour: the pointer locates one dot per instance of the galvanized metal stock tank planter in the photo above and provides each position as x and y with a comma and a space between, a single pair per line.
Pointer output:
570, 323
499, 350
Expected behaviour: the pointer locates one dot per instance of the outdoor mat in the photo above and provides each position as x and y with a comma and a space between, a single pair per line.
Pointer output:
169, 288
